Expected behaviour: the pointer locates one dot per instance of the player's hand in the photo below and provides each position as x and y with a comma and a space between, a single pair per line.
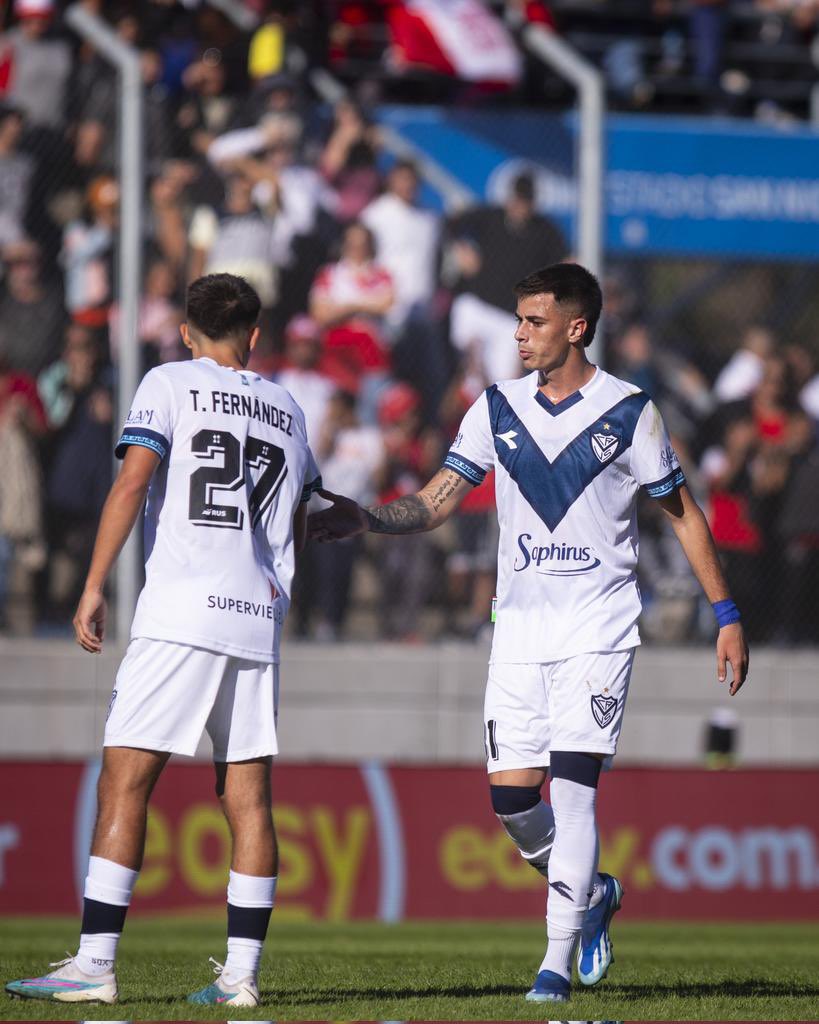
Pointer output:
732, 648
89, 621
343, 519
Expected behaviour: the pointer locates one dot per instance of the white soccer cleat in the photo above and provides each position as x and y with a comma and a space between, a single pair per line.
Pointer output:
242, 993
68, 984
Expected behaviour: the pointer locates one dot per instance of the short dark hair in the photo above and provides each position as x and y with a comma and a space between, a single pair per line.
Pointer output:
222, 306
405, 164
359, 225
523, 187
571, 285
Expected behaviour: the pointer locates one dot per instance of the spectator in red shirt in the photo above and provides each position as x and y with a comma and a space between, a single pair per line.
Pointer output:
405, 564
349, 300
472, 564
748, 473
22, 422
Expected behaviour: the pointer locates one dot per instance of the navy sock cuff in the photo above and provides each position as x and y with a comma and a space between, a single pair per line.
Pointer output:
102, 917
575, 766
248, 922
514, 799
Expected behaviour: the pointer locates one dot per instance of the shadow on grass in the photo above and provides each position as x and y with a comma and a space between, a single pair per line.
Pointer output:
703, 989
699, 990
287, 996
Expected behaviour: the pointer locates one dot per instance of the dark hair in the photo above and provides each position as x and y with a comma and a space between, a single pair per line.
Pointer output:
345, 398
571, 285
359, 225
405, 164
222, 306
523, 187
7, 111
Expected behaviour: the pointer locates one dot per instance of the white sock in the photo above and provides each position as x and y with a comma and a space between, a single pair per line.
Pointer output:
243, 959
560, 951
572, 868
97, 952
250, 900
108, 888
109, 882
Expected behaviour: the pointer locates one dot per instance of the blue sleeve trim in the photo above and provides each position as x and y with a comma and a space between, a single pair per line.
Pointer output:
463, 467
145, 439
674, 480
310, 489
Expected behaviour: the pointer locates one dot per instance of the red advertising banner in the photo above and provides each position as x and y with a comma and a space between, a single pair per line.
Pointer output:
406, 842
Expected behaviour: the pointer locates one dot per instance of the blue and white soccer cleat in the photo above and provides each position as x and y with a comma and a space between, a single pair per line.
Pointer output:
243, 993
595, 954
549, 987
68, 984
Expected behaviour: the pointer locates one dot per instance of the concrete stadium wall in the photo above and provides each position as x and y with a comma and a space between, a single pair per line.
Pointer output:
355, 702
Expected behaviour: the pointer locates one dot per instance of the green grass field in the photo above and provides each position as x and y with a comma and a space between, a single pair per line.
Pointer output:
466, 971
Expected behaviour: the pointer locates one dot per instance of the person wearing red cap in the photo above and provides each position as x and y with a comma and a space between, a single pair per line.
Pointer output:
34, 67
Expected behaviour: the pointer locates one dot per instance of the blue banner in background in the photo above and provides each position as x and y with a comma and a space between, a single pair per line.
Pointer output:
676, 186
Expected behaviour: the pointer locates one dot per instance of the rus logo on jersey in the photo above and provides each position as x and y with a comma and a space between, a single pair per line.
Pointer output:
604, 446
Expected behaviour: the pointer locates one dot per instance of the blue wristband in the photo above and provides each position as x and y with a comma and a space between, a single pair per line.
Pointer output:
726, 612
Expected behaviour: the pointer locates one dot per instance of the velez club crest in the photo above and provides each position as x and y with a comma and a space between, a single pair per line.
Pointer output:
604, 445
603, 709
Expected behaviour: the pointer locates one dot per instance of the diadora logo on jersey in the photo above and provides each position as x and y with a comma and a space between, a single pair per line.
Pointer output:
604, 445
508, 438
603, 709
560, 559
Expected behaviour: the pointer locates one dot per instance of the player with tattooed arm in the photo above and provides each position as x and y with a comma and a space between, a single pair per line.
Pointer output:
571, 447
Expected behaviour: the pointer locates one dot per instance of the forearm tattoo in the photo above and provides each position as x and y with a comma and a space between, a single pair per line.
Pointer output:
404, 515
447, 485
412, 514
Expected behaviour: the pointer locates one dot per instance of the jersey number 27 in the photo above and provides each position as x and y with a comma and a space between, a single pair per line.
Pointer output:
219, 445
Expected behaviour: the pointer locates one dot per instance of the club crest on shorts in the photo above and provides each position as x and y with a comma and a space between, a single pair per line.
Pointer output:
604, 446
603, 709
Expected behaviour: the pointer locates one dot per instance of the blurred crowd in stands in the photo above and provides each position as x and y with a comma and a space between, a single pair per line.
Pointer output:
384, 318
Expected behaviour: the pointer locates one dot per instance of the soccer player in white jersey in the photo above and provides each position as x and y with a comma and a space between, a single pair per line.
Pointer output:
222, 456
571, 447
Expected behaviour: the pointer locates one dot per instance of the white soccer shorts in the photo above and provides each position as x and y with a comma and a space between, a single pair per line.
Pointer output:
165, 694
576, 704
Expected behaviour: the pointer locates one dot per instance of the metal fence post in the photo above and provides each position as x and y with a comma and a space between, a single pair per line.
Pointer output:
588, 81
129, 264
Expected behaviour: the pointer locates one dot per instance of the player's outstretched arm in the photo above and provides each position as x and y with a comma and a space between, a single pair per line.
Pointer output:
119, 513
691, 528
413, 513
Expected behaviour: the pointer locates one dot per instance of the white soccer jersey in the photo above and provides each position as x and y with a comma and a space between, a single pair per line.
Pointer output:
566, 482
219, 516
